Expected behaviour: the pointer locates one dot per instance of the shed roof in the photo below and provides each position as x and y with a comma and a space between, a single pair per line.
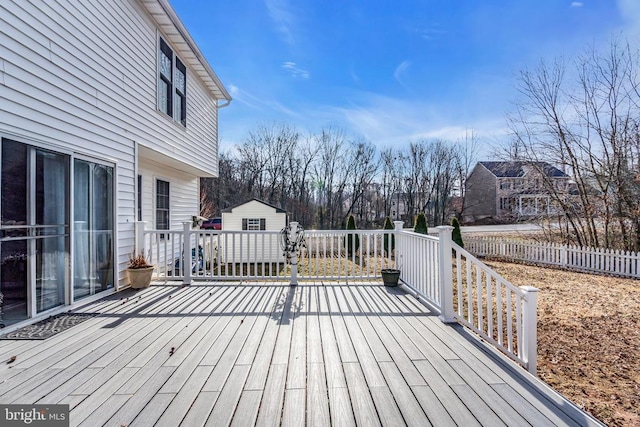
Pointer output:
278, 210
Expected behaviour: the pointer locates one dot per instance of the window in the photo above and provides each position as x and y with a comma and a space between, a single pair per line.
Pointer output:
254, 224
507, 203
181, 92
172, 84
165, 82
505, 185
162, 205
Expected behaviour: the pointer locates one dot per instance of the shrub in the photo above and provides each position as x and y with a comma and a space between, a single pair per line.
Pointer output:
421, 224
388, 225
352, 246
138, 261
456, 235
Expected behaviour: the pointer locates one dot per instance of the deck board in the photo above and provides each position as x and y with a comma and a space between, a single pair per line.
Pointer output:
254, 353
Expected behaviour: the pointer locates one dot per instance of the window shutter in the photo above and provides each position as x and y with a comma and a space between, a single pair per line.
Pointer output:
244, 223
263, 224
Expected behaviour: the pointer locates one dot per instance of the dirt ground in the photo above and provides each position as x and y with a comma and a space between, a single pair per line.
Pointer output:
588, 338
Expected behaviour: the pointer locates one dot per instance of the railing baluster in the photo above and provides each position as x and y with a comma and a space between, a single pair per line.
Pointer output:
509, 320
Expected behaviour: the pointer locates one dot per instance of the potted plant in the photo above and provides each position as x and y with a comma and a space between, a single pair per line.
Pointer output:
390, 276
139, 271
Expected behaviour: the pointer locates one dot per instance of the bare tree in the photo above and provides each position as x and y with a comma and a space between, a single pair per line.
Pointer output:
586, 123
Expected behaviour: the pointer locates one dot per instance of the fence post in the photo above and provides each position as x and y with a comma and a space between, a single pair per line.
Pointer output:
445, 268
186, 253
293, 237
530, 328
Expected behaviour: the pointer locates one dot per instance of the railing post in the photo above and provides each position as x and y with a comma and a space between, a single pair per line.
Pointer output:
138, 243
293, 237
445, 268
186, 252
530, 328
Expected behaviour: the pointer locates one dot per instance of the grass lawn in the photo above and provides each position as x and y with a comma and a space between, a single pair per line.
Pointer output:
588, 338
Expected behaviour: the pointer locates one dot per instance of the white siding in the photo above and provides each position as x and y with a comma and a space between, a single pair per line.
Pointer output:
76, 69
80, 77
274, 220
183, 193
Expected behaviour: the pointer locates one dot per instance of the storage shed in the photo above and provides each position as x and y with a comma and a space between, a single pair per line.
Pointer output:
251, 232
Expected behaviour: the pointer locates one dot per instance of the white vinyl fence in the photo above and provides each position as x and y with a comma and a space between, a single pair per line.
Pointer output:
593, 260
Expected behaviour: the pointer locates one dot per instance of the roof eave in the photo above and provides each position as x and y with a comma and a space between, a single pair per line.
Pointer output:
171, 25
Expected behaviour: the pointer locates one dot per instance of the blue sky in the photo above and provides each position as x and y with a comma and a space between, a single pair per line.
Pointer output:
390, 71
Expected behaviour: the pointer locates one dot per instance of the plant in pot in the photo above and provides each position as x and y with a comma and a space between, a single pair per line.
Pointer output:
139, 271
390, 276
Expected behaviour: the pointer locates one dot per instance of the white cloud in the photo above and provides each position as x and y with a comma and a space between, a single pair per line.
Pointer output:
233, 90
400, 70
260, 104
283, 18
431, 33
296, 72
389, 121
576, 4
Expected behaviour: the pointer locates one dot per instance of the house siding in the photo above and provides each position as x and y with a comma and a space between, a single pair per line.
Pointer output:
480, 194
183, 191
81, 78
73, 68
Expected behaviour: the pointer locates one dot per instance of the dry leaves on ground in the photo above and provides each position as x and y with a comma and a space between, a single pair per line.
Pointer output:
588, 338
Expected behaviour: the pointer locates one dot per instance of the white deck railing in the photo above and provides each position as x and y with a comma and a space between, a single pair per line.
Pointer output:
327, 254
418, 259
498, 311
594, 260
462, 289
451, 281
245, 255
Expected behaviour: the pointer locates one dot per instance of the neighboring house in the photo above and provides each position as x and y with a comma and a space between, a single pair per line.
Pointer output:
253, 215
108, 116
508, 191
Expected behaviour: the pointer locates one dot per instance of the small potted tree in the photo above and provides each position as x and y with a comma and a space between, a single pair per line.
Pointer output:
390, 276
139, 271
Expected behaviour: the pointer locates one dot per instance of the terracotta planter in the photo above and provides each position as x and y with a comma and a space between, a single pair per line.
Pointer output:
140, 277
390, 276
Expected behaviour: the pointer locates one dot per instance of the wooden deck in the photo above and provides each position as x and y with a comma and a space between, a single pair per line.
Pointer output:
270, 354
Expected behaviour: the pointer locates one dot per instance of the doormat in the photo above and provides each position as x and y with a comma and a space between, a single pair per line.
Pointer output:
48, 327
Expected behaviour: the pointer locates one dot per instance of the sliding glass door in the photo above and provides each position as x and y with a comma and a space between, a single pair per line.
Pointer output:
93, 226
34, 231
